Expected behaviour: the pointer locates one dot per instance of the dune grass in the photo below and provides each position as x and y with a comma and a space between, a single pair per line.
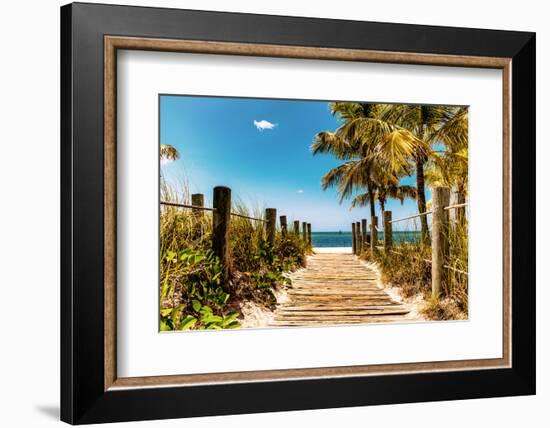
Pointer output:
408, 267
192, 295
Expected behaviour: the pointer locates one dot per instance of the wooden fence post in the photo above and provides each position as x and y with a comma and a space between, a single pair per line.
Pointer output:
220, 230
297, 227
282, 219
353, 243
373, 234
364, 232
309, 233
358, 240
388, 237
440, 245
459, 216
270, 225
304, 232
197, 200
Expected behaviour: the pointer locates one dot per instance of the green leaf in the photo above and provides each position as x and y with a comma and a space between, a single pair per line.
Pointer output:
187, 323
229, 318
165, 284
213, 327
225, 298
206, 311
170, 255
176, 312
164, 326
234, 324
196, 305
198, 258
166, 311
209, 319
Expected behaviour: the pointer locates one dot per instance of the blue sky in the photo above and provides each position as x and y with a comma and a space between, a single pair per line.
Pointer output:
260, 149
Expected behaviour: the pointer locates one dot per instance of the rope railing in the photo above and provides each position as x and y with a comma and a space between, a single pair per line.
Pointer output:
412, 216
455, 269
199, 207
194, 207
451, 207
429, 261
247, 217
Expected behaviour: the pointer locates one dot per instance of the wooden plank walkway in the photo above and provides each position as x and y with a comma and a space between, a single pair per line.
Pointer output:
335, 289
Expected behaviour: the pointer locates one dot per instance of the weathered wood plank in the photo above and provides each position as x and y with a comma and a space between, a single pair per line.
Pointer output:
317, 315
347, 321
337, 289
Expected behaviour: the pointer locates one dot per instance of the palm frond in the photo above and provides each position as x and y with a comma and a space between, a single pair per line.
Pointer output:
398, 147
168, 152
454, 132
329, 142
361, 200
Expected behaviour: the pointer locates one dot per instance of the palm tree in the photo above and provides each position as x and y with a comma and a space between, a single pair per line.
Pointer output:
427, 123
451, 167
391, 190
371, 147
168, 153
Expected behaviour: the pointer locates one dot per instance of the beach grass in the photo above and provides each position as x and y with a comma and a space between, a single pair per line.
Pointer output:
192, 295
408, 266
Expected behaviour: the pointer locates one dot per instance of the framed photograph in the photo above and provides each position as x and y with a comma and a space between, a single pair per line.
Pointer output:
291, 213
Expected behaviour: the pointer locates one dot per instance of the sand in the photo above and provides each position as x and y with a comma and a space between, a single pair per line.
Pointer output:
415, 303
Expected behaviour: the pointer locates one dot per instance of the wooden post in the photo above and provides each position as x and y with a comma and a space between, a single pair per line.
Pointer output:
364, 232
388, 237
304, 232
309, 233
296, 227
197, 200
358, 240
373, 233
270, 225
282, 219
440, 246
459, 213
220, 230
353, 243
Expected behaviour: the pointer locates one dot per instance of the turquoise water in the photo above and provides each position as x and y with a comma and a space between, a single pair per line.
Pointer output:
343, 239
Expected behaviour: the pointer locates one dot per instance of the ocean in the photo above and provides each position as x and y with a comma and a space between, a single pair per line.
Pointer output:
343, 239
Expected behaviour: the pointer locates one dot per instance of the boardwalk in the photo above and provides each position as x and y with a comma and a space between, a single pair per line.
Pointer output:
336, 289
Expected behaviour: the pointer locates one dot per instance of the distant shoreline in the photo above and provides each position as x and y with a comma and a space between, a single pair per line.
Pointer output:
337, 232
343, 250
344, 239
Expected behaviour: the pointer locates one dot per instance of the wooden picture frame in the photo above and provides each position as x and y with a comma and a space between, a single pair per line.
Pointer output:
91, 390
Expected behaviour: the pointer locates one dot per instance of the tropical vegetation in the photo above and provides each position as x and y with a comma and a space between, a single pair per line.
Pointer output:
192, 294
379, 145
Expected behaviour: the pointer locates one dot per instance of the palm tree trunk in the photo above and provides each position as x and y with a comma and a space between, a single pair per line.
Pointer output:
382, 207
371, 203
460, 213
421, 199
370, 191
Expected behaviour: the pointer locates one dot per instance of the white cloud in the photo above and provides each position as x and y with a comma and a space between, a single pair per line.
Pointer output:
300, 191
264, 124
